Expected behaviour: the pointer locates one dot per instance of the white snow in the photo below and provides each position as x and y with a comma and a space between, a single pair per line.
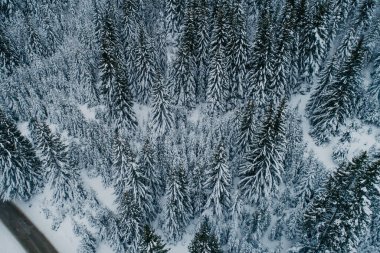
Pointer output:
63, 239
8, 242
88, 113
104, 195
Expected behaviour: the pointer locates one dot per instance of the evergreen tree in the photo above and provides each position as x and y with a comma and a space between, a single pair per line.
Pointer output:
183, 76
326, 77
260, 73
9, 57
218, 182
238, 52
162, 115
148, 166
247, 127
205, 240
260, 174
20, 169
144, 74
339, 99
151, 243
338, 218
129, 177
115, 86
62, 175
177, 209
314, 43
174, 15
131, 221
218, 79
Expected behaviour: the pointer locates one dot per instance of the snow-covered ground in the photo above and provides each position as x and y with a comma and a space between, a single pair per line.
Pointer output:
9, 244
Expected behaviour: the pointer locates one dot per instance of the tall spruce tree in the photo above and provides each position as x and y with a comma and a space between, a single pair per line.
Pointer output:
115, 86
238, 53
148, 166
62, 176
247, 127
218, 79
339, 217
218, 182
260, 174
131, 221
177, 209
260, 73
9, 57
339, 99
144, 76
314, 43
20, 170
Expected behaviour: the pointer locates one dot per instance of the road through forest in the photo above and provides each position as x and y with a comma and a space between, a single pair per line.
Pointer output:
32, 240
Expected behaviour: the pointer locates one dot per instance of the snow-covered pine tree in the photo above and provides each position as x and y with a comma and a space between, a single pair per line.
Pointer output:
9, 57
20, 169
218, 182
205, 240
151, 242
365, 13
260, 174
88, 243
121, 161
218, 79
129, 177
201, 46
174, 11
339, 217
178, 208
247, 127
182, 80
238, 52
144, 67
153, 182
108, 229
122, 105
131, 221
130, 20
62, 176
314, 43
162, 115
326, 77
260, 73
339, 99
114, 82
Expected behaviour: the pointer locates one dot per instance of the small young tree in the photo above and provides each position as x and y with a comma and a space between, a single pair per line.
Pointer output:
205, 240
151, 243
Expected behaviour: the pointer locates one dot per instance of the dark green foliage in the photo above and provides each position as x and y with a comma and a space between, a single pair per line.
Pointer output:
61, 174
20, 170
178, 209
338, 99
9, 57
339, 217
260, 73
260, 174
247, 127
205, 241
131, 221
151, 243
218, 182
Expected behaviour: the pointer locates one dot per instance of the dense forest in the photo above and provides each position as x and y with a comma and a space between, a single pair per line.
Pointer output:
235, 126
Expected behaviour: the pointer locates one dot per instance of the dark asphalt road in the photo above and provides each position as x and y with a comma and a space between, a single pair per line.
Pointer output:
23, 229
